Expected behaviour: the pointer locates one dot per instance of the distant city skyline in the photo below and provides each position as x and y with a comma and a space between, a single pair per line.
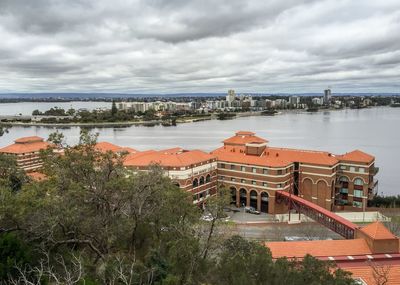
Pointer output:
200, 46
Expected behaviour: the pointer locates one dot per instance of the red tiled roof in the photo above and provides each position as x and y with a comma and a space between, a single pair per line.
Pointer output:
36, 176
243, 137
366, 273
319, 248
237, 154
26, 145
377, 231
106, 146
176, 157
29, 139
234, 151
274, 157
357, 156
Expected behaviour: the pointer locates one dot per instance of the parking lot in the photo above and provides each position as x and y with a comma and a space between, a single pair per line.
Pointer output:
266, 227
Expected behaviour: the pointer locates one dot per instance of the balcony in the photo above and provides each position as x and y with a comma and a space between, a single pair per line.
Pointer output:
373, 187
374, 171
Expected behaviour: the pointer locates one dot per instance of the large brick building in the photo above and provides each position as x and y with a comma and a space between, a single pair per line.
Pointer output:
249, 167
254, 171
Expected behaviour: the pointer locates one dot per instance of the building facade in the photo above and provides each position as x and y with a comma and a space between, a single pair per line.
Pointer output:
26, 151
251, 169
254, 171
193, 171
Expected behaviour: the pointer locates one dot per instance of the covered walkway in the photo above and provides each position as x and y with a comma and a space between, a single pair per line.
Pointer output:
330, 220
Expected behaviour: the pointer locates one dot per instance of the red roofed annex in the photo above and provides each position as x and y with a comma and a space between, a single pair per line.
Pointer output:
374, 247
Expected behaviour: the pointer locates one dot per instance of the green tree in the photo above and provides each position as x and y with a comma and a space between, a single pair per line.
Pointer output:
14, 253
114, 109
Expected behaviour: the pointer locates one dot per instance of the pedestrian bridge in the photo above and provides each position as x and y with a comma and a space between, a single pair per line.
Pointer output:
326, 218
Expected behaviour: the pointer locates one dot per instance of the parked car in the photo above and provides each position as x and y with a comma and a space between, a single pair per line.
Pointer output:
251, 210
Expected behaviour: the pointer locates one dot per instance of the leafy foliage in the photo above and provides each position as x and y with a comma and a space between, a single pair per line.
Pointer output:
95, 222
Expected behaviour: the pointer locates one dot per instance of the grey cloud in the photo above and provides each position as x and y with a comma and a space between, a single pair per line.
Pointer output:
198, 46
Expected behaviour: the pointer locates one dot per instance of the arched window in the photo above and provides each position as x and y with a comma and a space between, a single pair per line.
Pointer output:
343, 179
195, 182
176, 184
201, 182
208, 178
358, 181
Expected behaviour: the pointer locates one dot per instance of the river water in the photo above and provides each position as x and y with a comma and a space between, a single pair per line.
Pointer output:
375, 130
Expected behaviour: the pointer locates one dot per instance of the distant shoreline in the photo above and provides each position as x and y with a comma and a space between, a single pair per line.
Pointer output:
159, 122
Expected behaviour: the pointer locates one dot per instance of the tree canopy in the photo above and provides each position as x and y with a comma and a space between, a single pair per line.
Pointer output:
92, 221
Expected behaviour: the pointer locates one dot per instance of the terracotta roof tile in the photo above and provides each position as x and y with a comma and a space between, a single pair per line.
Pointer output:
377, 231
319, 248
274, 157
242, 138
357, 156
106, 146
175, 157
26, 145
29, 139
234, 151
366, 273
36, 176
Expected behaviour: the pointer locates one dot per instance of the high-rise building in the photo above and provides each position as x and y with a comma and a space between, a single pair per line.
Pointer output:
327, 96
230, 97
294, 100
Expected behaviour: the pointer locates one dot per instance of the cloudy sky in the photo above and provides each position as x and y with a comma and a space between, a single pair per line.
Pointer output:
168, 46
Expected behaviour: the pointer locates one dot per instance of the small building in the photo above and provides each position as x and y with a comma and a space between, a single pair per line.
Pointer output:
375, 250
194, 171
26, 151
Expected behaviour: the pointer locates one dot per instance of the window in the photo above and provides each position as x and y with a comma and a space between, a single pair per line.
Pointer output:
243, 181
221, 177
343, 167
233, 179
208, 178
361, 169
242, 168
254, 170
222, 165
352, 169
279, 186
265, 184
265, 171
358, 193
357, 204
232, 166
280, 172
344, 190
358, 182
254, 182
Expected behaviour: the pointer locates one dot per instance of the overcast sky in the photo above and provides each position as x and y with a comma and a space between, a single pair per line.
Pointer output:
168, 46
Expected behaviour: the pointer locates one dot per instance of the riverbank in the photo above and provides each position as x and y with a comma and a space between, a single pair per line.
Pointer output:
126, 123
183, 120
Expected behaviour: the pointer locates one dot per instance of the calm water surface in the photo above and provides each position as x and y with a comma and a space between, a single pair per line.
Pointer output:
376, 131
